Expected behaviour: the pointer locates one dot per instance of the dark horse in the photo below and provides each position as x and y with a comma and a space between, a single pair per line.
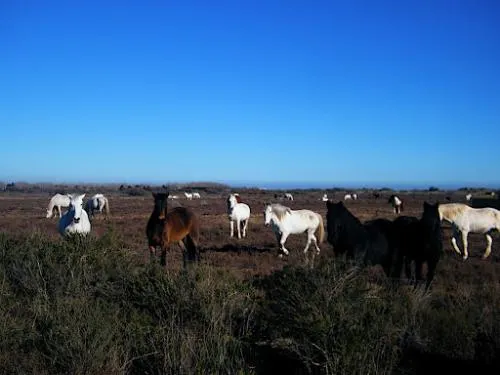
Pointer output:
368, 243
418, 240
180, 225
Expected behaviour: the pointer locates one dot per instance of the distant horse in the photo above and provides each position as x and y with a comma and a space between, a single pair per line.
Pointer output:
56, 202
468, 197
179, 225
285, 221
97, 203
376, 195
465, 219
287, 196
418, 240
238, 212
397, 204
189, 196
350, 196
196, 195
75, 220
173, 197
368, 243
325, 198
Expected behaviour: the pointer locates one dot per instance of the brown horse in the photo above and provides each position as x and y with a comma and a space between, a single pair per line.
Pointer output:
179, 225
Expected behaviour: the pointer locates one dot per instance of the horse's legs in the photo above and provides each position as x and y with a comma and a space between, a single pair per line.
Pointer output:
238, 224
489, 241
464, 241
231, 228
431, 270
454, 240
284, 236
408, 268
59, 210
163, 258
245, 224
418, 271
152, 252
190, 248
398, 264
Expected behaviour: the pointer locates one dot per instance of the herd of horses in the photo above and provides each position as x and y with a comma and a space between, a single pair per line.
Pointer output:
406, 240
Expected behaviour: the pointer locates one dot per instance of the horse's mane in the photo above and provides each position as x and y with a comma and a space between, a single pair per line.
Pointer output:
279, 210
431, 217
340, 212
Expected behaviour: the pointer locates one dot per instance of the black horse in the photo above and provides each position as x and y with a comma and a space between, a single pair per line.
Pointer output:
368, 243
418, 240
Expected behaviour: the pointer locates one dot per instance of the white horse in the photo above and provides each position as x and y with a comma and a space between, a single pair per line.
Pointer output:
97, 203
285, 221
238, 212
468, 197
289, 196
350, 196
325, 198
397, 204
173, 197
189, 196
196, 195
75, 220
465, 219
57, 201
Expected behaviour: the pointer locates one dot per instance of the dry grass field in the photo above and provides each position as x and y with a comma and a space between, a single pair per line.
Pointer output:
255, 254
102, 308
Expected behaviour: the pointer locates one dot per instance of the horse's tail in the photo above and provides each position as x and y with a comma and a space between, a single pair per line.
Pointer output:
106, 205
321, 229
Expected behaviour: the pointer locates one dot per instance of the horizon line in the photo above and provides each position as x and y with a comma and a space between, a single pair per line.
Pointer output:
281, 185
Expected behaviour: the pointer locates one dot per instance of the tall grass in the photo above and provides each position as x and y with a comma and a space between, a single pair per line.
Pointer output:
87, 307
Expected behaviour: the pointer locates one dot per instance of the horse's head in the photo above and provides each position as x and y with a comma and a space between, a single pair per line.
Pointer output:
431, 222
232, 200
160, 204
335, 214
75, 206
268, 214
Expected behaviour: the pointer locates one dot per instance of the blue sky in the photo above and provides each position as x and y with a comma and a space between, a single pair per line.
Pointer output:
341, 92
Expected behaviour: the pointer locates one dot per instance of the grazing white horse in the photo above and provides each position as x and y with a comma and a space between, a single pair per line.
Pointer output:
75, 220
289, 196
397, 204
468, 197
350, 196
57, 201
285, 221
325, 198
173, 197
238, 212
465, 219
196, 195
97, 203
189, 196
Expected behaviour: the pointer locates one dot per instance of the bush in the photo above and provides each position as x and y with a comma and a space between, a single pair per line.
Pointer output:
84, 306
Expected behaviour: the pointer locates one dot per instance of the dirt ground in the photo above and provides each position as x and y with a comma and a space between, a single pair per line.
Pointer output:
256, 254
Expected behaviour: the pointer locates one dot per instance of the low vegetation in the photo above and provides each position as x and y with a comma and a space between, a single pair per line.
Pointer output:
88, 307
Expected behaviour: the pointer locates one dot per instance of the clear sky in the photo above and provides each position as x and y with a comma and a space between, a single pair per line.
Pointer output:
341, 92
